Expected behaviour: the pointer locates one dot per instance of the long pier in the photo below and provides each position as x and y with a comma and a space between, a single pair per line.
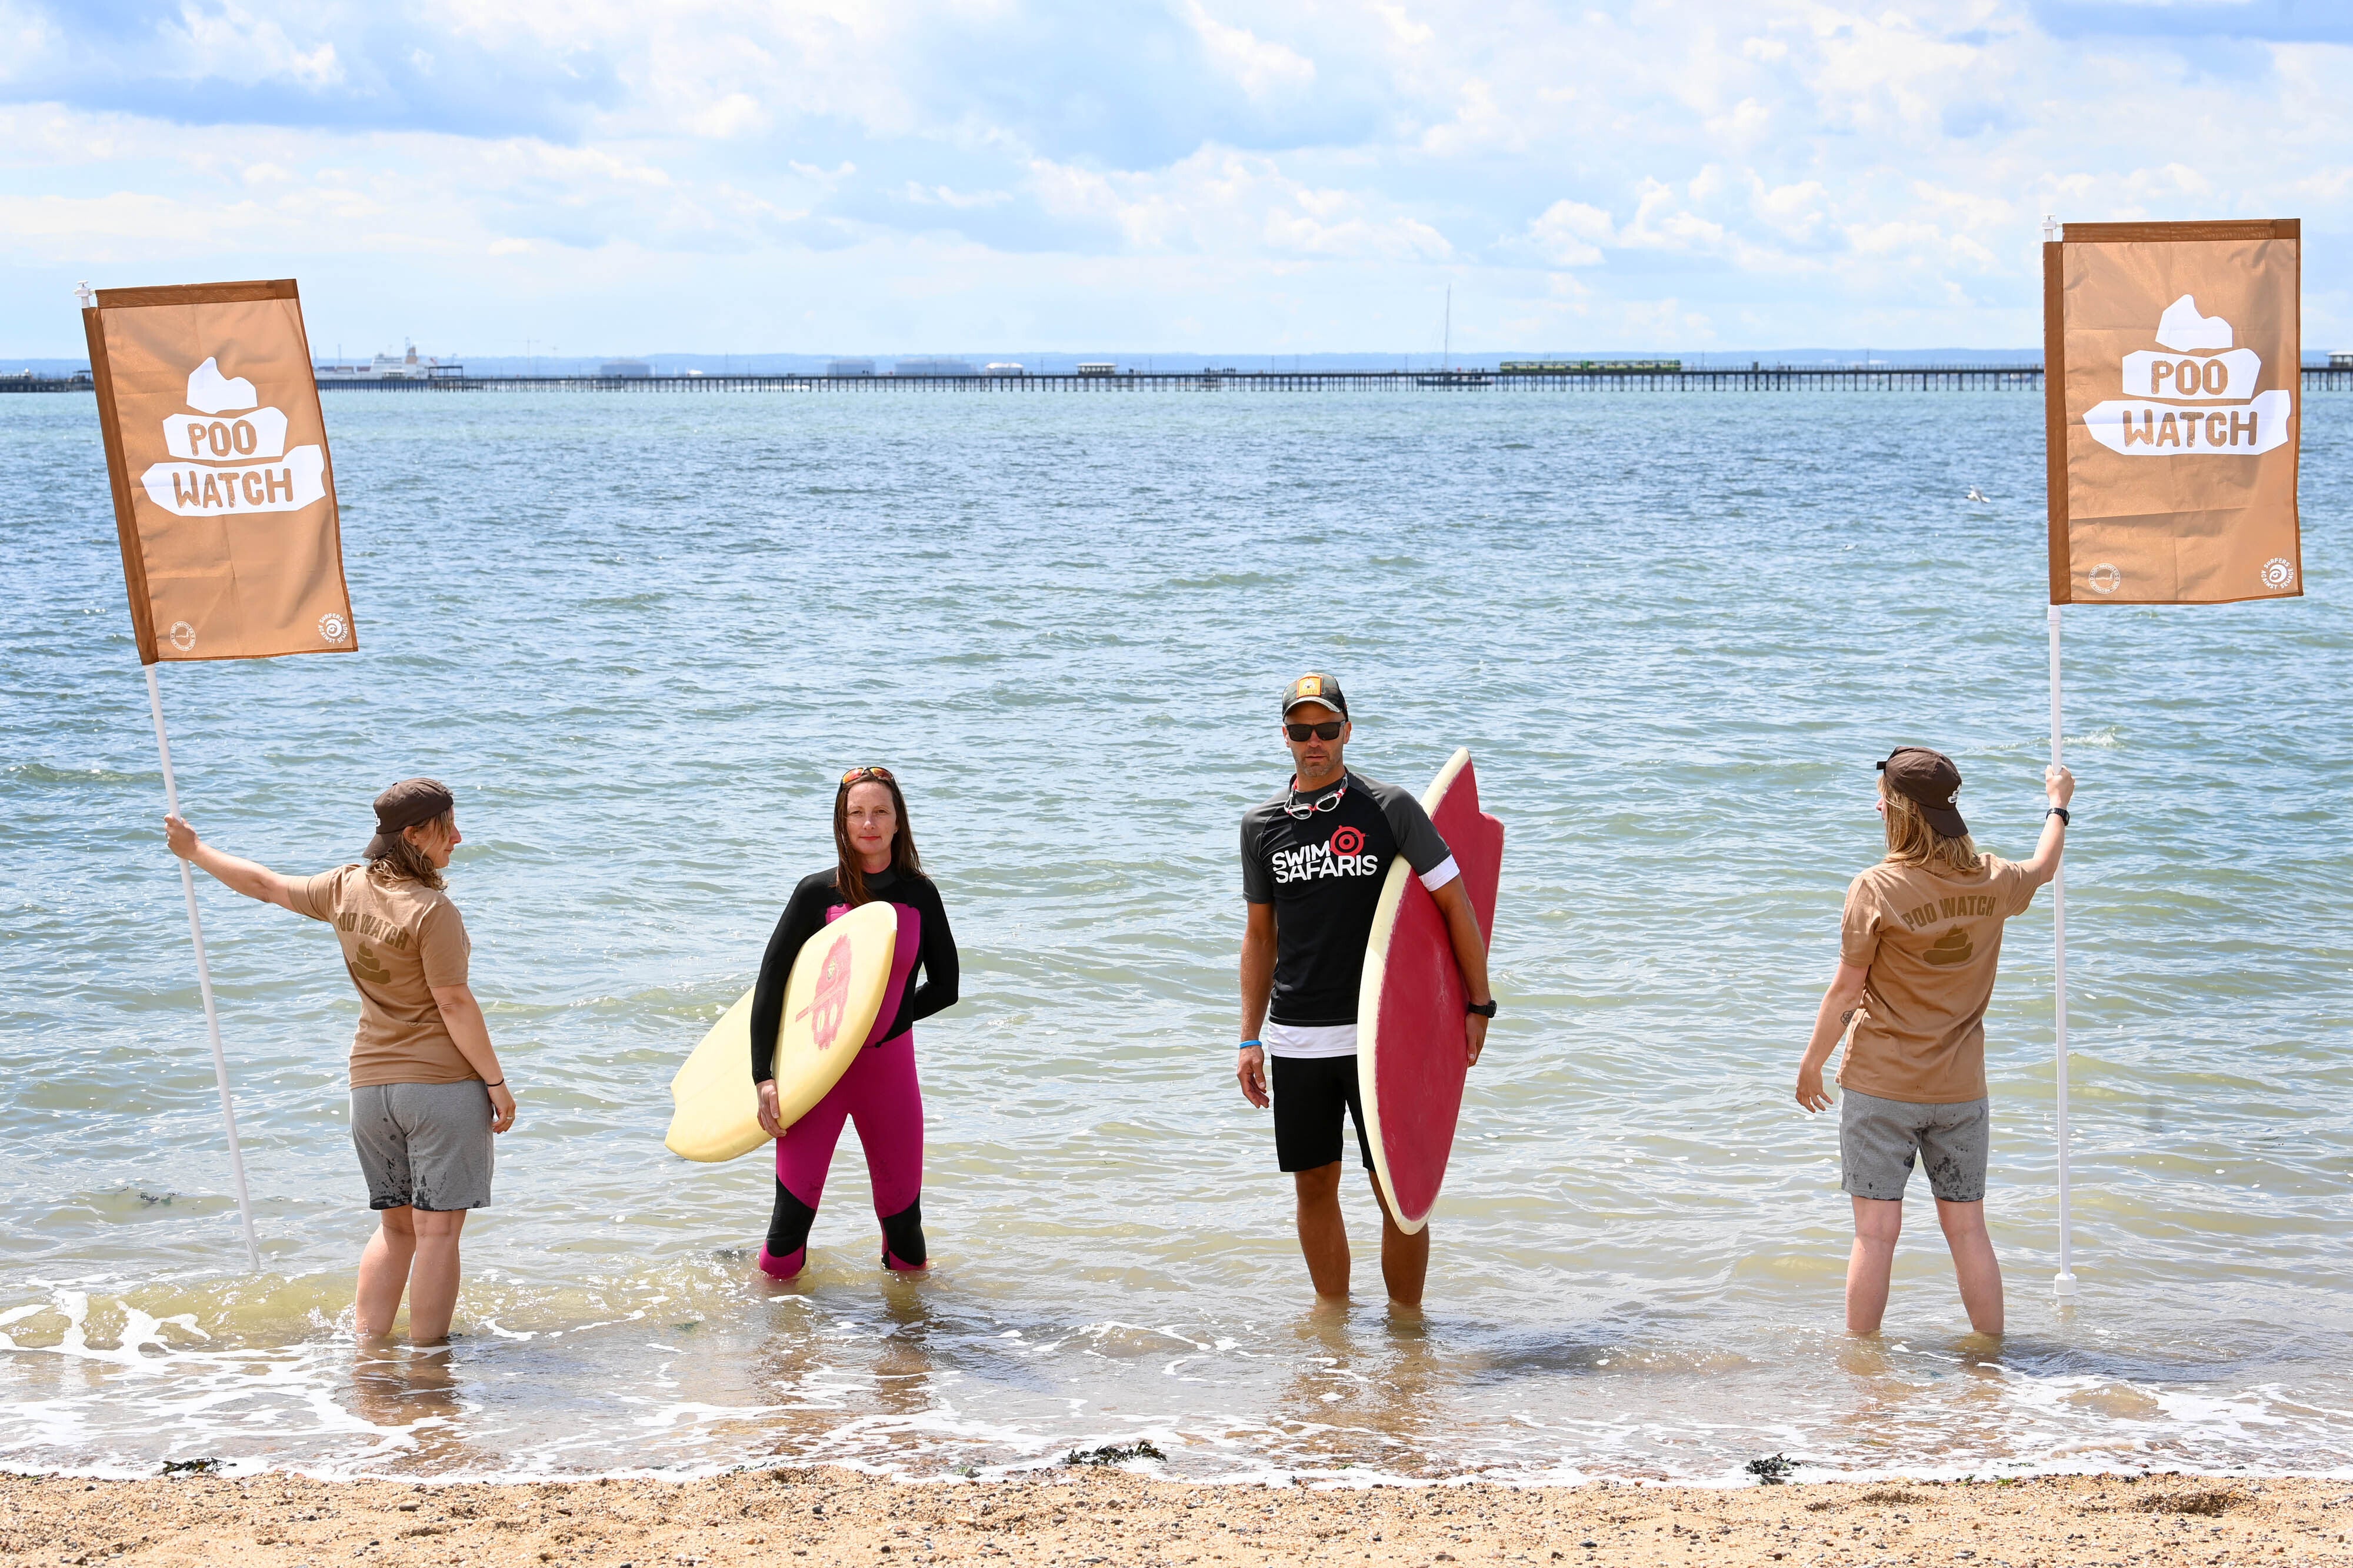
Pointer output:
1750, 378
1730, 378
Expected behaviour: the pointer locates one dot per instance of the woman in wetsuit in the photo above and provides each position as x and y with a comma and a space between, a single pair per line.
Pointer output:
876, 861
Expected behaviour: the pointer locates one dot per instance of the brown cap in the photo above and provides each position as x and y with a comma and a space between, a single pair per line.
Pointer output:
411, 803
1929, 781
1314, 688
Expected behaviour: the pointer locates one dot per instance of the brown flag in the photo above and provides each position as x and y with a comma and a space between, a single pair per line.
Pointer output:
2173, 386
224, 494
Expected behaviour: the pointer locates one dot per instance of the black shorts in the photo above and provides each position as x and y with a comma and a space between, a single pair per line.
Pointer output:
1311, 1096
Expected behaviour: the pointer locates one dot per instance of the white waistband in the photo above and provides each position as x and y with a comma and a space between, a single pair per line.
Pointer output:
1308, 1040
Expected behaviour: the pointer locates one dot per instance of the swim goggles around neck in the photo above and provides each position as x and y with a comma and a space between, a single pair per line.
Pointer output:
1300, 811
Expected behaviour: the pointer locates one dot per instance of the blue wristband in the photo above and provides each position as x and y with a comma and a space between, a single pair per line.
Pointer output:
1248, 1043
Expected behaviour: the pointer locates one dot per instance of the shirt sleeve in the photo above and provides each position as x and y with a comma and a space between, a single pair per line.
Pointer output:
803, 917
1258, 883
1418, 837
942, 970
314, 896
1859, 926
443, 946
2015, 884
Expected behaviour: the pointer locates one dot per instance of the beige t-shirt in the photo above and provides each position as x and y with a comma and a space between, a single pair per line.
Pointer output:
1931, 940
400, 940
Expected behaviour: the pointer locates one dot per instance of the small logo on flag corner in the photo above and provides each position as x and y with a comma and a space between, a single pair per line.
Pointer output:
2279, 572
184, 635
331, 627
2105, 578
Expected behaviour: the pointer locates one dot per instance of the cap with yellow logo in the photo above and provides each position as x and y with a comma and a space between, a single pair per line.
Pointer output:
1314, 688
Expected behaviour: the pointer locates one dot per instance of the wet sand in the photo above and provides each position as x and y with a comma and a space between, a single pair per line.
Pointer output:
1084, 1516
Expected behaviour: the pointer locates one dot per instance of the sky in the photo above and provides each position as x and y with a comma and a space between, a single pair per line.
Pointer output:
591, 176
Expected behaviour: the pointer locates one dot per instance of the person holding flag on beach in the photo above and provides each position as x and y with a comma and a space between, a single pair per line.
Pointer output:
428, 1092
1918, 946
1314, 859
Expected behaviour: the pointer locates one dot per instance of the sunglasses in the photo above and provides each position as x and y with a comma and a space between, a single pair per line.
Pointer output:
1327, 730
856, 775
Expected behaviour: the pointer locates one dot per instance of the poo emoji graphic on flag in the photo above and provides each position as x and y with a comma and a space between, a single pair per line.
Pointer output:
2173, 359
223, 491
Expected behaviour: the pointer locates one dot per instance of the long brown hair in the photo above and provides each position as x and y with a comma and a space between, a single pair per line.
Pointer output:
850, 875
403, 861
1911, 842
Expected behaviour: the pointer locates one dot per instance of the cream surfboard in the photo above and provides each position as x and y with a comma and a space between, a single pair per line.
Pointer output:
1410, 1010
838, 986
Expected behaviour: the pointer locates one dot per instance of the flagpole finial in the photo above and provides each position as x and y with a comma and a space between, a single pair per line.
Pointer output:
83, 292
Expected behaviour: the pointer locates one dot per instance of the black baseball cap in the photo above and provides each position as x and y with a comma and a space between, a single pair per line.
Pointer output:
1314, 688
1929, 781
411, 803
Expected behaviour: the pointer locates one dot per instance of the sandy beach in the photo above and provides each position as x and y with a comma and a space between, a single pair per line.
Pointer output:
1102, 1517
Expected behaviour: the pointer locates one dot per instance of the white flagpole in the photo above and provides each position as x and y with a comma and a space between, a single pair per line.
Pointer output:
2065, 1285
204, 984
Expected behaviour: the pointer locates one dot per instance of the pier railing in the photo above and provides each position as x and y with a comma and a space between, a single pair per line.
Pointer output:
1751, 378
1728, 378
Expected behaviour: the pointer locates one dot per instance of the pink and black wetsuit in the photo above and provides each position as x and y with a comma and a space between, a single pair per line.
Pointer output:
879, 1091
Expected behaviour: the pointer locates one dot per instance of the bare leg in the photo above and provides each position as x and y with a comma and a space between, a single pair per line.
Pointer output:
1877, 1224
384, 1273
1405, 1260
1323, 1230
433, 1282
1974, 1263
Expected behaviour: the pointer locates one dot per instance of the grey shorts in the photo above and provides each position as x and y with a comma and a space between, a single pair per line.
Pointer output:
424, 1145
1877, 1139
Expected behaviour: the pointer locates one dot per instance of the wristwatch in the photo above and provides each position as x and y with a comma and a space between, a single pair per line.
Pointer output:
1484, 1009
2061, 813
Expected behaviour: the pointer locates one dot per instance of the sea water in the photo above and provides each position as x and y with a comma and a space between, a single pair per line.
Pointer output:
641, 637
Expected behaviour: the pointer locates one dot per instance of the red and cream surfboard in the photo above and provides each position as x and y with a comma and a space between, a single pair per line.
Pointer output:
1410, 1054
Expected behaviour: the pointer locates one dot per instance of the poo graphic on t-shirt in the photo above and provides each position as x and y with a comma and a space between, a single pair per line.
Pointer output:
367, 966
1951, 948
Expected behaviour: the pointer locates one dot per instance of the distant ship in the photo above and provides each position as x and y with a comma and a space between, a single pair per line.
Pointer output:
387, 367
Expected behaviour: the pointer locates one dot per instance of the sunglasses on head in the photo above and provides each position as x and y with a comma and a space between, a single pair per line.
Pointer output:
1327, 730
857, 775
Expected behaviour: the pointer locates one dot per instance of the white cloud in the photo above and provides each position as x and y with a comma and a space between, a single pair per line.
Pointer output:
1623, 168
1570, 234
234, 43
732, 115
1260, 67
1224, 200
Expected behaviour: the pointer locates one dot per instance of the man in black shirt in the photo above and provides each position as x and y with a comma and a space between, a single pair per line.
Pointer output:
1314, 859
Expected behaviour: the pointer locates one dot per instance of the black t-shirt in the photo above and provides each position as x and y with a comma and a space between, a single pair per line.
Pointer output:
1322, 874
804, 915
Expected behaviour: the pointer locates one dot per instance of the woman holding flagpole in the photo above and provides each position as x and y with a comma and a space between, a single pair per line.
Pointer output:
1917, 949
428, 1092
